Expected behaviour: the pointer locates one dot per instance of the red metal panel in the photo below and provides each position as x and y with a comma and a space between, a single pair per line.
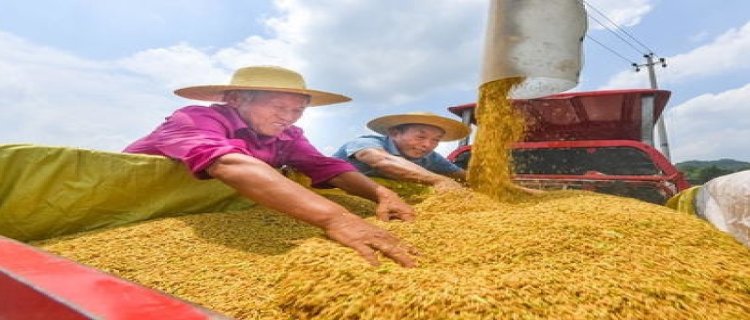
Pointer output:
38, 285
20, 300
593, 115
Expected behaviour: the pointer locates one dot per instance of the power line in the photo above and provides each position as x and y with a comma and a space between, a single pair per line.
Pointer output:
649, 52
630, 62
629, 43
617, 26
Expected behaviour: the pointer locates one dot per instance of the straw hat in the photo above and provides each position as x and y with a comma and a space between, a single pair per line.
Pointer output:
454, 130
265, 78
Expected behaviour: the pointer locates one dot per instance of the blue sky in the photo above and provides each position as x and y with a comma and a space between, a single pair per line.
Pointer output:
99, 74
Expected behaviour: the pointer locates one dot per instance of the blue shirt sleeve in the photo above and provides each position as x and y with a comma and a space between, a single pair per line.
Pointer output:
347, 151
358, 144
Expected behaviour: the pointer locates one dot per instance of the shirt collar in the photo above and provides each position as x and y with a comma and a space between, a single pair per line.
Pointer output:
390, 147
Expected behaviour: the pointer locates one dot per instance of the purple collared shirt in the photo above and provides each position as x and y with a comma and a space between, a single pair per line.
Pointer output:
197, 135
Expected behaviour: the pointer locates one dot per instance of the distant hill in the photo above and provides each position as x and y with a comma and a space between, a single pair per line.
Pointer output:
698, 172
725, 164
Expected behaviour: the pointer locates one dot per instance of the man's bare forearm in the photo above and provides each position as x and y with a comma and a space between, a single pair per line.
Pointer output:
398, 168
357, 184
261, 183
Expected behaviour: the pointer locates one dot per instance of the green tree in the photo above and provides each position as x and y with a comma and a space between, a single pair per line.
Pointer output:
710, 172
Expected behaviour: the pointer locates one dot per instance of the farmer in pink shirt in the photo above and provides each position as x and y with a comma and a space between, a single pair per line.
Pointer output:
245, 139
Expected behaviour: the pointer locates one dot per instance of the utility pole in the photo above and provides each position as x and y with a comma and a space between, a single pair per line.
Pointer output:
662, 129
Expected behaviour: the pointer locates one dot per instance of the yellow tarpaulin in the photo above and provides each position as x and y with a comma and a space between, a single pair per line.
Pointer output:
51, 191
684, 201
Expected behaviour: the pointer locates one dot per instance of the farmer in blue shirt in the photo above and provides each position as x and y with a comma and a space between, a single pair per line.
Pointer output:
405, 150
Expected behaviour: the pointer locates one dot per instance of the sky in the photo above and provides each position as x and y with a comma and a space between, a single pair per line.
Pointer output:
100, 74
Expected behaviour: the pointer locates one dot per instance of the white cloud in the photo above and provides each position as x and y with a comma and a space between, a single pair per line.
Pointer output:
349, 46
700, 36
53, 97
177, 66
625, 13
385, 51
726, 53
711, 126
256, 50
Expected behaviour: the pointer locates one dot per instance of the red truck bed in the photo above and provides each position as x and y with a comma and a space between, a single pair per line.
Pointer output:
38, 285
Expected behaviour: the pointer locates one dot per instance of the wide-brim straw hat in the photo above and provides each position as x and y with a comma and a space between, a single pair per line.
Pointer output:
264, 78
454, 129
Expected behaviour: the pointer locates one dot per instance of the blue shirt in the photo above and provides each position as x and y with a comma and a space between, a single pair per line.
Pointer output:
432, 161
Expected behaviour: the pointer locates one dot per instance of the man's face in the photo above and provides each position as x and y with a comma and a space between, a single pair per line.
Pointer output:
417, 140
270, 113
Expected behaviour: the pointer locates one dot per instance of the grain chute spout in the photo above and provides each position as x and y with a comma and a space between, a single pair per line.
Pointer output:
538, 40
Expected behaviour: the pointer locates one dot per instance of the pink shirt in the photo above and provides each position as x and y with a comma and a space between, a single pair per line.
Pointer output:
197, 135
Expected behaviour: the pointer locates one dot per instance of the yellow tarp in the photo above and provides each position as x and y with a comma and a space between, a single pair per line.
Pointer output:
51, 191
684, 201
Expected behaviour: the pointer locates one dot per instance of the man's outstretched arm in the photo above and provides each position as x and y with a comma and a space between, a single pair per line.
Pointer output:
398, 168
264, 185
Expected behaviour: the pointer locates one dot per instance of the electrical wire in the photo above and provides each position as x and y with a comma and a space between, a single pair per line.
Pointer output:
628, 34
629, 43
630, 62
649, 51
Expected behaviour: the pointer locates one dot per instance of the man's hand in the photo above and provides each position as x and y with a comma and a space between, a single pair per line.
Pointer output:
366, 239
391, 207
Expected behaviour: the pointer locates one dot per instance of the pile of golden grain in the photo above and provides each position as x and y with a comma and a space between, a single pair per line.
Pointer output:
573, 255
